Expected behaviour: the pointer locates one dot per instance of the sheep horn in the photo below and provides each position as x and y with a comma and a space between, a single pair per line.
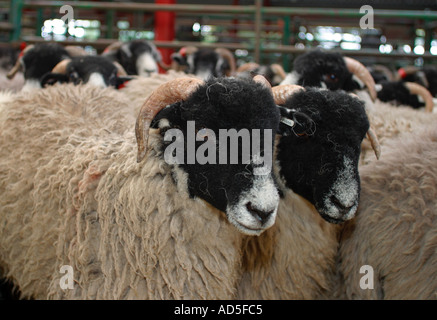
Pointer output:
61, 67
120, 70
228, 56
113, 47
164, 66
282, 92
260, 79
373, 138
76, 51
278, 70
168, 93
358, 69
17, 67
249, 66
19, 64
416, 88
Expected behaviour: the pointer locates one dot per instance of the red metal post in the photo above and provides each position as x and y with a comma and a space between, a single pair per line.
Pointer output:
165, 29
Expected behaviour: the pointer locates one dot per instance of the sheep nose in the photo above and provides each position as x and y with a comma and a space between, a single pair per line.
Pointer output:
342, 209
261, 215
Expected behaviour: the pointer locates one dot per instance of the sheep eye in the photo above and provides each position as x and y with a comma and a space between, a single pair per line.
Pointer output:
330, 77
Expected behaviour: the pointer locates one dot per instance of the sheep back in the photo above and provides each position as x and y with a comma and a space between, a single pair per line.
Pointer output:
395, 230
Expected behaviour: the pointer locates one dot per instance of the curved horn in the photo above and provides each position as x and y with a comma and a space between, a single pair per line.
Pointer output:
76, 51
168, 93
416, 88
19, 64
357, 68
164, 66
278, 70
228, 56
120, 70
282, 92
113, 47
17, 67
260, 79
371, 135
249, 66
61, 67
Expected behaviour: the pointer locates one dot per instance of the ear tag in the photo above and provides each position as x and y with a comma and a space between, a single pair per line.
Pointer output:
287, 122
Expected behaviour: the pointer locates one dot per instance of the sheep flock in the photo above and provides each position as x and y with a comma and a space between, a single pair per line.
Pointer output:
122, 177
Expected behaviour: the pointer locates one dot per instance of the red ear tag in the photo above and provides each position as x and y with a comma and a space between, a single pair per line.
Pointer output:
402, 73
183, 52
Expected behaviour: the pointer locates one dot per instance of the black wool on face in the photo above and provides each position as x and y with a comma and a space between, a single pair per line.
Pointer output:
221, 105
318, 67
42, 58
398, 94
128, 55
311, 163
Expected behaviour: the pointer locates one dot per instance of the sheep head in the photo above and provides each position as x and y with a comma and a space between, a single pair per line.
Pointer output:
216, 123
95, 70
137, 57
319, 150
36, 60
332, 71
204, 62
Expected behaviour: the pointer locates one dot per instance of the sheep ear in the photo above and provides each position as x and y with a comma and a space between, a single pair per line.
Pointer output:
169, 117
286, 123
177, 57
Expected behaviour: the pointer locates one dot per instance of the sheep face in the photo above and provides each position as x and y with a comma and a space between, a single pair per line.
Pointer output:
204, 63
323, 70
244, 189
94, 70
318, 158
40, 59
139, 57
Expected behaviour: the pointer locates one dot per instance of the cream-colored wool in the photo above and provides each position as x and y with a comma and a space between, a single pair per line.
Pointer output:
140, 88
72, 193
295, 259
395, 230
390, 121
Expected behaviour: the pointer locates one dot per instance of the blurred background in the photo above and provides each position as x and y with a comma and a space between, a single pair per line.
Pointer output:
263, 31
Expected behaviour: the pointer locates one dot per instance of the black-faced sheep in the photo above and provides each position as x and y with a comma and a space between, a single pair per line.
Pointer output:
95, 70
317, 170
137, 57
36, 60
406, 94
204, 63
332, 71
426, 76
73, 193
389, 251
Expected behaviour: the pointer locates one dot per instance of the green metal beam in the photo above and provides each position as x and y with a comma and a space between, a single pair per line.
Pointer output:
250, 9
15, 19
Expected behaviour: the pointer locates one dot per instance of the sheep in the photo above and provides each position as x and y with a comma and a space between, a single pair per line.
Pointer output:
204, 62
406, 94
137, 57
427, 77
389, 122
274, 73
317, 172
8, 56
95, 70
74, 191
394, 232
36, 60
330, 70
